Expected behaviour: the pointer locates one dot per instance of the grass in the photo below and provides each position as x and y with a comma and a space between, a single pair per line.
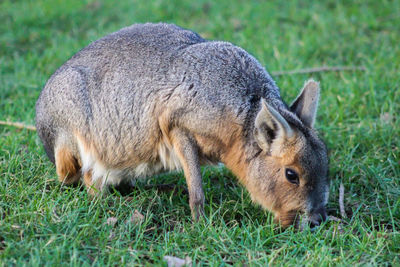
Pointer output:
42, 223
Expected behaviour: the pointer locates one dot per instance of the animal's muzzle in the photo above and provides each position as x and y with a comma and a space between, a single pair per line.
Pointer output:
317, 216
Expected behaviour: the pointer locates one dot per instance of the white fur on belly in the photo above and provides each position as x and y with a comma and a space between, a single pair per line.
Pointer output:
168, 161
168, 157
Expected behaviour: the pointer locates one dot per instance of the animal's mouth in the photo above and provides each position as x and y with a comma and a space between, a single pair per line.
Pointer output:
289, 218
302, 220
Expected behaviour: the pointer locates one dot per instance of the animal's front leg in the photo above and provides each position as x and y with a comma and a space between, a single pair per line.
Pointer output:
187, 152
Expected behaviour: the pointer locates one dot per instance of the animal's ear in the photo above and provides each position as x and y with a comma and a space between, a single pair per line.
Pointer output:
306, 104
270, 125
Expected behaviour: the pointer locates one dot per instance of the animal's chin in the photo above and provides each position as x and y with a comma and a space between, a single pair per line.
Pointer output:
298, 219
289, 218
308, 222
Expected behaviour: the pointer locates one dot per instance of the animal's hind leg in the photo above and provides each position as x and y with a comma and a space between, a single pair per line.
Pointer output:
67, 166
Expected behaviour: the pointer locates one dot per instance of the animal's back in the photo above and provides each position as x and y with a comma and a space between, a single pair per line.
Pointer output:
108, 81
118, 97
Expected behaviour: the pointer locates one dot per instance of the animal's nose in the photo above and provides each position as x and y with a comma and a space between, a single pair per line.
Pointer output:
317, 217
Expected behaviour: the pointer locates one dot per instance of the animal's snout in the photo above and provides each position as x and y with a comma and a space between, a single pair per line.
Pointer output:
317, 217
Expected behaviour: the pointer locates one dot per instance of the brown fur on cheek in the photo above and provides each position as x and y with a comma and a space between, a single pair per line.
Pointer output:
268, 186
290, 196
275, 192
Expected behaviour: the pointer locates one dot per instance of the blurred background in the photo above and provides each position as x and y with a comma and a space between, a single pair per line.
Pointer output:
38, 36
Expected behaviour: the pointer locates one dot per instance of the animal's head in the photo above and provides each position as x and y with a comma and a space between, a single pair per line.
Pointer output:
290, 174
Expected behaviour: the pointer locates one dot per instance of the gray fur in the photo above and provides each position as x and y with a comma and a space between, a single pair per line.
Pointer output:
269, 118
115, 91
306, 104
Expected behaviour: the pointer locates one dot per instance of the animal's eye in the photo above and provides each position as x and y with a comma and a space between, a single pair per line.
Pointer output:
292, 176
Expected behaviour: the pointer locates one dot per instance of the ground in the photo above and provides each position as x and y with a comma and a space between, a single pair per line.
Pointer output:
44, 223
